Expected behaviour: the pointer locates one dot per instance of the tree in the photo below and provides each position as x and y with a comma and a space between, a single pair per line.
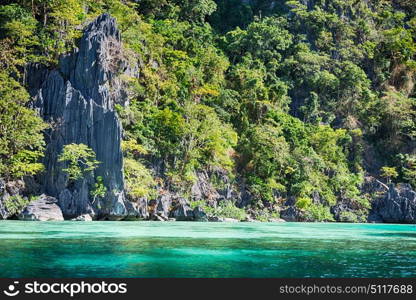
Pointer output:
80, 160
99, 190
21, 138
407, 168
397, 123
268, 152
196, 10
17, 31
389, 173
139, 180
206, 140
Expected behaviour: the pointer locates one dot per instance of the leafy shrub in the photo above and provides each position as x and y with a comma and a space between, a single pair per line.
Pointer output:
348, 216
264, 215
80, 158
99, 190
303, 202
227, 209
139, 180
21, 138
319, 213
15, 204
209, 210
389, 173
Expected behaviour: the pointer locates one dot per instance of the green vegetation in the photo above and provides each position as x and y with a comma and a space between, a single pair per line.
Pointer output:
21, 139
229, 210
139, 181
15, 204
225, 209
99, 190
80, 160
294, 100
389, 173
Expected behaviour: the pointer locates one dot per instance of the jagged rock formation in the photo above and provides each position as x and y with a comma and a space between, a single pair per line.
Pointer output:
3, 196
182, 211
291, 214
75, 98
43, 209
8, 190
172, 204
78, 100
396, 205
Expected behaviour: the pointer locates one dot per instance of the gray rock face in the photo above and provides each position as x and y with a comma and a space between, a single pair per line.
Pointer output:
340, 208
8, 190
203, 190
78, 100
373, 186
138, 209
398, 205
43, 209
291, 214
163, 204
200, 215
3, 212
182, 212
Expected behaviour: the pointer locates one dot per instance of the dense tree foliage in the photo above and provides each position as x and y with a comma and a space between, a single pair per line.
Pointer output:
298, 99
21, 139
80, 160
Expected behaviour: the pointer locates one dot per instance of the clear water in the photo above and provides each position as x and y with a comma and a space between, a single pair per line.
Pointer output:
180, 249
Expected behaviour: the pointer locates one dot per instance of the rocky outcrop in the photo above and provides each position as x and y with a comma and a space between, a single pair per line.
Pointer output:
291, 214
373, 187
3, 211
170, 204
138, 210
397, 205
203, 189
43, 209
78, 100
83, 218
162, 205
182, 211
200, 215
221, 219
11, 192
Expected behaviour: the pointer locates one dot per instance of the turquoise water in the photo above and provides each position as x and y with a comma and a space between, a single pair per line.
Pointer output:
180, 249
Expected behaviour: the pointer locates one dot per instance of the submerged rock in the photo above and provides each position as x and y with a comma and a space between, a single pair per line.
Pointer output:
43, 209
78, 100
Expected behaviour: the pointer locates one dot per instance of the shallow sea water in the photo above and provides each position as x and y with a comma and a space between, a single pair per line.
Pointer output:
209, 250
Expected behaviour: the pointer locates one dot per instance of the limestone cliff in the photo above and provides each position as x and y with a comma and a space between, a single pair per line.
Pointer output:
78, 100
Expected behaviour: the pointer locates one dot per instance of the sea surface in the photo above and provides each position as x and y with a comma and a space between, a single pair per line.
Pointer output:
190, 249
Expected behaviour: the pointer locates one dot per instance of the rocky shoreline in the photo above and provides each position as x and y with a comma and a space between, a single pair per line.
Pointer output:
391, 204
79, 97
